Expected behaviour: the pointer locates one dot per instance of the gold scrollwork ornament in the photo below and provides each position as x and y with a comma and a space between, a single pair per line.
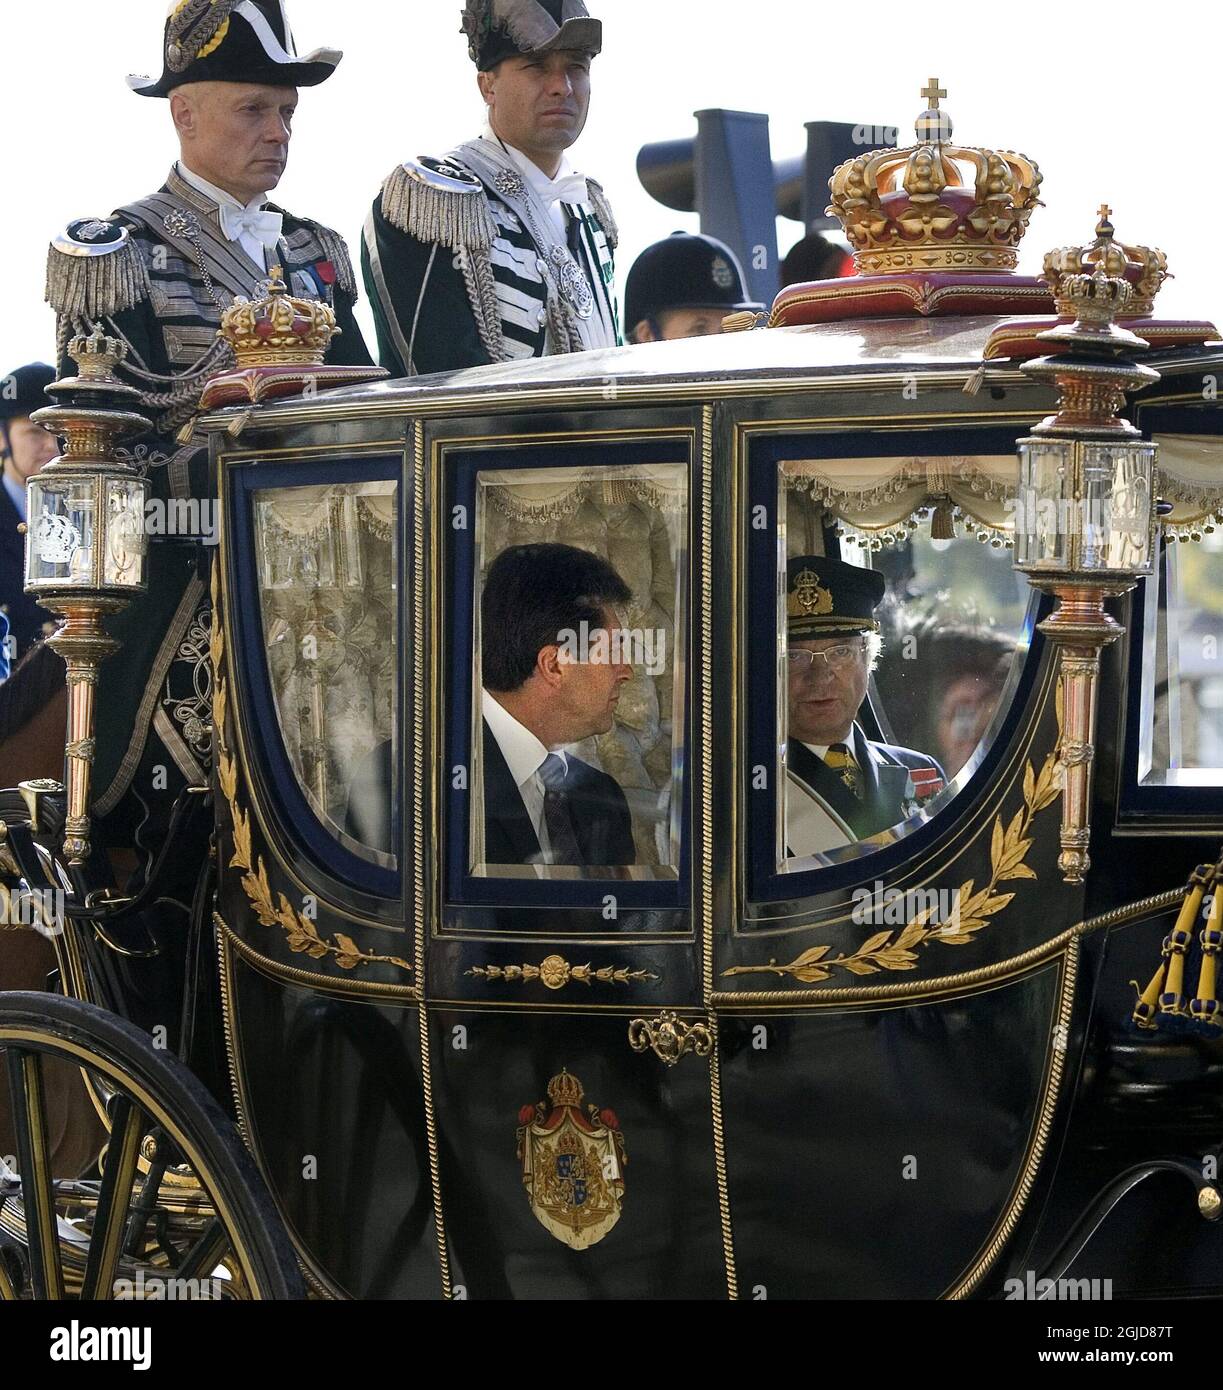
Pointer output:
670, 1038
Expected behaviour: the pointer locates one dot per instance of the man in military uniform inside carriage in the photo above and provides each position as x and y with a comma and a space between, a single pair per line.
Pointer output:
841, 786
500, 250
158, 275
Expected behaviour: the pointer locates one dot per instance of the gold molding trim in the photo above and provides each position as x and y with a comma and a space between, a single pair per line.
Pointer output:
555, 972
893, 951
670, 1038
301, 934
1058, 1045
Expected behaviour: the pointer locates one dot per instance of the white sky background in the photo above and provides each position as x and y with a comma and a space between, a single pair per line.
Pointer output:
1113, 103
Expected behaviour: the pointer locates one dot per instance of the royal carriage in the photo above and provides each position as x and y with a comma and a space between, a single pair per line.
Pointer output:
908, 1066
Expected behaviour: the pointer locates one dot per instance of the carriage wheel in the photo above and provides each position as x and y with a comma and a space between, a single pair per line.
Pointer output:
130, 1233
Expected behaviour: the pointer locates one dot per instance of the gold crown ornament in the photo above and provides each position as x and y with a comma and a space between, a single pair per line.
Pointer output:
935, 205
565, 1090
279, 330
1143, 268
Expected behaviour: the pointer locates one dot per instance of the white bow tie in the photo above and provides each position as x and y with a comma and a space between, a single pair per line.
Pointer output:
265, 227
571, 189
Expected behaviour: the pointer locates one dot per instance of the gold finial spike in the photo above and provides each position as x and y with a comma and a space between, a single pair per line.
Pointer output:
933, 93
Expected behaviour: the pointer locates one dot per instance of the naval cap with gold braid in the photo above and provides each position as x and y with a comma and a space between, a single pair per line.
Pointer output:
829, 598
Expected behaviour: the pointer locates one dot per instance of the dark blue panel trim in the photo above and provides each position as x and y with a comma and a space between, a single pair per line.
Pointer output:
261, 722
764, 884
464, 889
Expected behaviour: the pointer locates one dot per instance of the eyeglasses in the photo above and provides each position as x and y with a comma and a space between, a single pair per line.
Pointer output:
837, 658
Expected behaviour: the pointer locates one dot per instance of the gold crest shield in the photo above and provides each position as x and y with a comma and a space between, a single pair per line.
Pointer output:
572, 1164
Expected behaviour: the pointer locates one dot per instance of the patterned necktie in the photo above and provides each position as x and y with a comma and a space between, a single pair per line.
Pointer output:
557, 808
843, 762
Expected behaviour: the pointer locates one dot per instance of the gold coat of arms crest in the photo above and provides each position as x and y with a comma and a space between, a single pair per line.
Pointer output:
572, 1164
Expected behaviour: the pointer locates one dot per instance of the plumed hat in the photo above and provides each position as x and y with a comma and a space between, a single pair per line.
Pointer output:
234, 41
500, 29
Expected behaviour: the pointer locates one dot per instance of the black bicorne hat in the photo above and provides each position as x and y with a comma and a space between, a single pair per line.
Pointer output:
24, 391
234, 41
684, 271
500, 29
826, 597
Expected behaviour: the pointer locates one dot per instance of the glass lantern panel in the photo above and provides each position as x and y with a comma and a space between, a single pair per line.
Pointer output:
127, 545
60, 537
1116, 507
1042, 522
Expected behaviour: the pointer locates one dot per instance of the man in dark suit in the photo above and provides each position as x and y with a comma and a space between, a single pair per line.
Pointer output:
841, 787
551, 678
26, 448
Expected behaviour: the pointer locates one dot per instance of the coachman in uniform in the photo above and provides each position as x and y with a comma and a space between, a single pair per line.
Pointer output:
157, 275
841, 786
499, 250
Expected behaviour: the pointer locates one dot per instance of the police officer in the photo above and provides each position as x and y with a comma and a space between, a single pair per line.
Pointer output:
683, 287
500, 250
157, 275
841, 786
25, 449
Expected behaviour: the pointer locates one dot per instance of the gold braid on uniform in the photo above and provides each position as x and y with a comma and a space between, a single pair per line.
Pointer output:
439, 204
602, 210
337, 253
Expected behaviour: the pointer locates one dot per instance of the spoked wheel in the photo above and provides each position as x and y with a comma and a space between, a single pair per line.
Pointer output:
180, 1209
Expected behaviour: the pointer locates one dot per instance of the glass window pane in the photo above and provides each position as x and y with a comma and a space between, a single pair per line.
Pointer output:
578, 703
1182, 672
327, 566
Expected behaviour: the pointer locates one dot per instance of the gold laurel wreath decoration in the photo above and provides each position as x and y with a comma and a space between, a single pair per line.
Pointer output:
890, 951
556, 972
300, 932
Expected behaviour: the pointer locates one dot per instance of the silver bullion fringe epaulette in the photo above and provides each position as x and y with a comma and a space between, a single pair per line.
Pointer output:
95, 268
337, 253
438, 202
602, 210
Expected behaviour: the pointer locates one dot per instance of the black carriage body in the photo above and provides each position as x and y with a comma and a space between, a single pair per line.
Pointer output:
925, 1120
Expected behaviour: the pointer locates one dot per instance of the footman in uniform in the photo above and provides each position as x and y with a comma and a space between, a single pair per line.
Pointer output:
500, 250
157, 275
25, 448
841, 787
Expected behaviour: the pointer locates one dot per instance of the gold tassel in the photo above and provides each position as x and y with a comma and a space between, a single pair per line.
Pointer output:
602, 210
456, 218
1144, 1010
1205, 1006
942, 523
741, 321
1165, 992
95, 286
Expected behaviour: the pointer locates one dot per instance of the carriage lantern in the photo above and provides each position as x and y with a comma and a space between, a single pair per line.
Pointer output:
1086, 518
86, 548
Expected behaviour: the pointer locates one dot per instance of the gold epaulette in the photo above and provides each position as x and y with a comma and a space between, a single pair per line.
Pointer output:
337, 253
435, 201
602, 210
96, 268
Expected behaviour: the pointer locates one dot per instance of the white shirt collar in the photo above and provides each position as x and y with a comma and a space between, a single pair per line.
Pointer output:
524, 754
218, 195
819, 749
567, 182
17, 494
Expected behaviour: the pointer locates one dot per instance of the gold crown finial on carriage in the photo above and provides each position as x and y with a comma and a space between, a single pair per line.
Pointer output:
1144, 268
935, 205
565, 1090
279, 330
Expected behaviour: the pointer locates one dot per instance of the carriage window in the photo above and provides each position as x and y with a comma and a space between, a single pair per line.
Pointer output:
326, 563
900, 642
578, 682
1182, 670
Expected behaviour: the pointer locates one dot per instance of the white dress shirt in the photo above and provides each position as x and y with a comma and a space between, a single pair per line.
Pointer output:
255, 248
567, 187
524, 755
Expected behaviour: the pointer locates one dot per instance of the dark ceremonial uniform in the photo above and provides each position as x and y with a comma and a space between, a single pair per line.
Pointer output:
837, 795
465, 261
157, 275
24, 393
